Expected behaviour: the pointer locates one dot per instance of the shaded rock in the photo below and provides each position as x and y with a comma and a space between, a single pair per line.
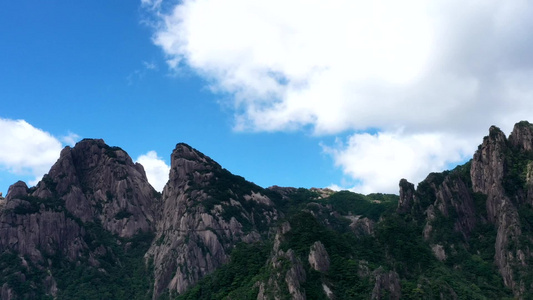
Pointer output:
407, 191
451, 196
17, 191
522, 136
487, 170
363, 226
487, 174
387, 284
7, 293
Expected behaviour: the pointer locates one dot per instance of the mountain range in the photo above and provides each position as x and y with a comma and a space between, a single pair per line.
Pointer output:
94, 228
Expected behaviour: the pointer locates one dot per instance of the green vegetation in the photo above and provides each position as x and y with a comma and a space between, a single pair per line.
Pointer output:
371, 206
236, 279
24, 278
121, 272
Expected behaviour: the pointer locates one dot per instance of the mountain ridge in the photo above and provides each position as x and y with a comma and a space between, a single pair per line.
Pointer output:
94, 227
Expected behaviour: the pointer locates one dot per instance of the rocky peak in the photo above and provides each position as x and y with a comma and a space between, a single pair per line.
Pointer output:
17, 190
488, 169
522, 136
205, 211
99, 182
407, 191
189, 165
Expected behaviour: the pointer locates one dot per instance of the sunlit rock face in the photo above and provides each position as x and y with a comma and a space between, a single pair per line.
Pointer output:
205, 211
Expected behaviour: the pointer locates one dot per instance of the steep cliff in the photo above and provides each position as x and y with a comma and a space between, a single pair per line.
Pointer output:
205, 212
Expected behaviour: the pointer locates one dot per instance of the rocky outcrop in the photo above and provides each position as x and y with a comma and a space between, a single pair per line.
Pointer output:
522, 136
407, 191
387, 285
205, 211
287, 273
490, 165
487, 171
318, 257
363, 226
450, 195
438, 251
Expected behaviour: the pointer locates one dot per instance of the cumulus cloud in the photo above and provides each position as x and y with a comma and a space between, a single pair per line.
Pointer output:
27, 150
156, 169
442, 70
379, 160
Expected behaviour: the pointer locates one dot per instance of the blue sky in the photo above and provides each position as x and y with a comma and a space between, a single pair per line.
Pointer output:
90, 68
345, 94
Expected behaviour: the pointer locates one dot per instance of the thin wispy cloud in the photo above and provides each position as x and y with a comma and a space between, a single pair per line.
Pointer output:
70, 139
428, 77
150, 65
140, 74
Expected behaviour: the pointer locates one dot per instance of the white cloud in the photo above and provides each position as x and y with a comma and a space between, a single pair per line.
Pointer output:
440, 69
156, 169
70, 139
26, 150
378, 161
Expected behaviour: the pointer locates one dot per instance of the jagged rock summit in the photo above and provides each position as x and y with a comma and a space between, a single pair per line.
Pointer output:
205, 211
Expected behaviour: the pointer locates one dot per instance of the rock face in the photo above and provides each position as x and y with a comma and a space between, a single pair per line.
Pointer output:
98, 182
203, 215
487, 171
90, 183
286, 271
318, 257
494, 188
407, 191
387, 283
490, 170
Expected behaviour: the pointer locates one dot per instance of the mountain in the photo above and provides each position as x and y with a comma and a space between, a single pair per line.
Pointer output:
94, 228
